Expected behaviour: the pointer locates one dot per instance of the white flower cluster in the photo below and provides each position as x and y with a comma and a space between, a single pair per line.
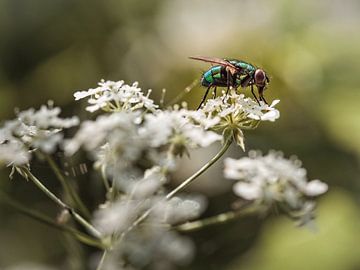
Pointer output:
273, 179
116, 96
118, 139
230, 114
241, 108
177, 128
134, 132
151, 242
32, 130
151, 247
136, 146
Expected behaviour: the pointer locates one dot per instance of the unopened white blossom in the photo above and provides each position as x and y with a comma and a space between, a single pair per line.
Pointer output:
273, 179
116, 96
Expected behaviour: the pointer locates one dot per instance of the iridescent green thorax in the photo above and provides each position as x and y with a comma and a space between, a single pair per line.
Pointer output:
243, 65
218, 75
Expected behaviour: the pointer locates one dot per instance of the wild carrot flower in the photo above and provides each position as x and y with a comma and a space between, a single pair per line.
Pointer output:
237, 113
177, 130
111, 96
272, 179
31, 130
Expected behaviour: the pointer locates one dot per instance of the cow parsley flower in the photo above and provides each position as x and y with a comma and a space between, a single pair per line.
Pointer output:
236, 113
176, 128
151, 247
113, 96
115, 217
112, 140
31, 130
14, 153
273, 179
179, 209
149, 184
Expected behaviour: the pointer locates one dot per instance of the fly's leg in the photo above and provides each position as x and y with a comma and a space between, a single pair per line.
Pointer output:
263, 99
252, 91
228, 83
261, 94
203, 100
214, 93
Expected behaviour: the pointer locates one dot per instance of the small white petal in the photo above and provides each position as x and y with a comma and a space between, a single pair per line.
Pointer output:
315, 188
247, 191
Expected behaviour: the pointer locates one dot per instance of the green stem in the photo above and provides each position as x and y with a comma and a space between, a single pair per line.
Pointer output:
67, 187
183, 185
200, 171
215, 220
48, 221
102, 260
105, 180
59, 202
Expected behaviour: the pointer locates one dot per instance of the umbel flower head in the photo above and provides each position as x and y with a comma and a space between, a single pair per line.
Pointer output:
236, 113
177, 130
273, 179
31, 130
117, 96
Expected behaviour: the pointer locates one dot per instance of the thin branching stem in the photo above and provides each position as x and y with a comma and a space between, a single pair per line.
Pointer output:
183, 185
215, 220
67, 187
102, 260
91, 229
105, 180
189, 180
84, 238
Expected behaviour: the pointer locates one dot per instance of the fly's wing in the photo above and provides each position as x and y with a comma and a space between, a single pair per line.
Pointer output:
214, 60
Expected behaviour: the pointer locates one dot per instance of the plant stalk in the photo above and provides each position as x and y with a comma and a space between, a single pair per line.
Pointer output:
48, 221
215, 220
183, 185
63, 205
67, 187
102, 260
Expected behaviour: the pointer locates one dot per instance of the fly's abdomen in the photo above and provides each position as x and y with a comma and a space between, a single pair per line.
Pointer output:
207, 79
213, 76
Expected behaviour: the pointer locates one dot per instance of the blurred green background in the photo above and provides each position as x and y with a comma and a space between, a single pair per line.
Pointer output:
310, 49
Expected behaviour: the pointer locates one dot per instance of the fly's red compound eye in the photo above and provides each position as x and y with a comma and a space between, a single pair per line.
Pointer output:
260, 76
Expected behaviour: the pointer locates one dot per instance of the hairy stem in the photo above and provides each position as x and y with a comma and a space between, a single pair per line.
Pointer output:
59, 202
